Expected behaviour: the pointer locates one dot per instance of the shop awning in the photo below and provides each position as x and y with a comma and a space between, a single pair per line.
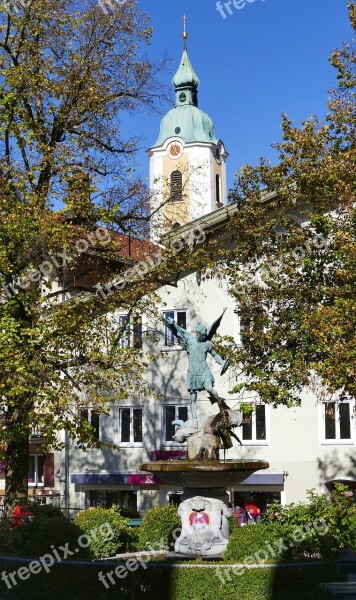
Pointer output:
265, 478
114, 478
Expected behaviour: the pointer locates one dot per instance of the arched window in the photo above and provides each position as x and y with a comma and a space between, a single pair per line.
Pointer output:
217, 189
176, 187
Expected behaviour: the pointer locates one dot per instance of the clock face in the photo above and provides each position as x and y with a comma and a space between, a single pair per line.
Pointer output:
174, 150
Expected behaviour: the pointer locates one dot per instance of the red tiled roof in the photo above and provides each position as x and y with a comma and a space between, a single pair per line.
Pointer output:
128, 247
132, 248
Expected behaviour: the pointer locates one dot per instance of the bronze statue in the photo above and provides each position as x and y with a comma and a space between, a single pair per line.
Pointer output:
199, 375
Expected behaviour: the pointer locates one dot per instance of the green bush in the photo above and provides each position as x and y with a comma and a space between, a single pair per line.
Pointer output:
160, 528
10, 538
252, 541
320, 528
45, 511
108, 530
41, 534
14, 540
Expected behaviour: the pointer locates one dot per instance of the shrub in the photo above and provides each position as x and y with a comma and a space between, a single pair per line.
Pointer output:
45, 511
320, 528
41, 534
15, 541
10, 538
160, 528
108, 530
251, 541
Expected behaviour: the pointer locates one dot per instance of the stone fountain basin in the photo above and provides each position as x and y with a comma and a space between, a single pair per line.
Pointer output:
207, 474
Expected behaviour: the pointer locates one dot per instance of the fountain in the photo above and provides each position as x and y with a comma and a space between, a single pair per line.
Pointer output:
204, 512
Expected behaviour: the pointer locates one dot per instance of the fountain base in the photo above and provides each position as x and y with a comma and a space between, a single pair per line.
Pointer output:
205, 474
204, 511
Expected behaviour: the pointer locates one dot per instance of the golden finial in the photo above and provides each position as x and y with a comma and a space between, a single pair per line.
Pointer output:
185, 35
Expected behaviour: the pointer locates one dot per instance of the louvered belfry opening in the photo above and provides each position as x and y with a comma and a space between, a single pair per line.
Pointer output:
176, 187
217, 187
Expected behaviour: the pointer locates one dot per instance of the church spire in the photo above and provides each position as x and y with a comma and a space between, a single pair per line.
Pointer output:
185, 35
186, 81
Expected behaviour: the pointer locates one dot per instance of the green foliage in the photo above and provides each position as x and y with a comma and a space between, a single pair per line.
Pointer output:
108, 530
45, 511
320, 528
41, 534
10, 538
160, 528
35, 539
80, 583
64, 147
244, 542
295, 284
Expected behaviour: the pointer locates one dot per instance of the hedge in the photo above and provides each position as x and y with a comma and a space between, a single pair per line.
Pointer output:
49, 527
320, 528
66, 582
250, 540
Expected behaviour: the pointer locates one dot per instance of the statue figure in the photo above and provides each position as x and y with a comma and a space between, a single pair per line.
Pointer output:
199, 375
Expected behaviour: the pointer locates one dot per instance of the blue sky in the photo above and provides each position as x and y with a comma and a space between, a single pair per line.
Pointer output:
267, 58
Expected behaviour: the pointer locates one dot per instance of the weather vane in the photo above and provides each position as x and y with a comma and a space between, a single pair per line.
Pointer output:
185, 35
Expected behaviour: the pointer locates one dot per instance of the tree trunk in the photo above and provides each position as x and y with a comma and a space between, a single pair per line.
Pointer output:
16, 473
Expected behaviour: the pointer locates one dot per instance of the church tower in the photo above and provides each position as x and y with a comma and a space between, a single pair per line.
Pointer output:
187, 162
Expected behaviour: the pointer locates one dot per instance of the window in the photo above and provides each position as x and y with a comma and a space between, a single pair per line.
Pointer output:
255, 426
132, 332
217, 189
107, 498
36, 470
93, 418
176, 187
130, 426
338, 422
172, 413
180, 317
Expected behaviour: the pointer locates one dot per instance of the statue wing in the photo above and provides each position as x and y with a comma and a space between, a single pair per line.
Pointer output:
214, 327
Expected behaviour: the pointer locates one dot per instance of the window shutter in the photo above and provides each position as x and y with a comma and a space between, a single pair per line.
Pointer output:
48, 470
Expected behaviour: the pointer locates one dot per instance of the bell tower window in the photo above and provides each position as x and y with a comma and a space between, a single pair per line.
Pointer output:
176, 187
218, 189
